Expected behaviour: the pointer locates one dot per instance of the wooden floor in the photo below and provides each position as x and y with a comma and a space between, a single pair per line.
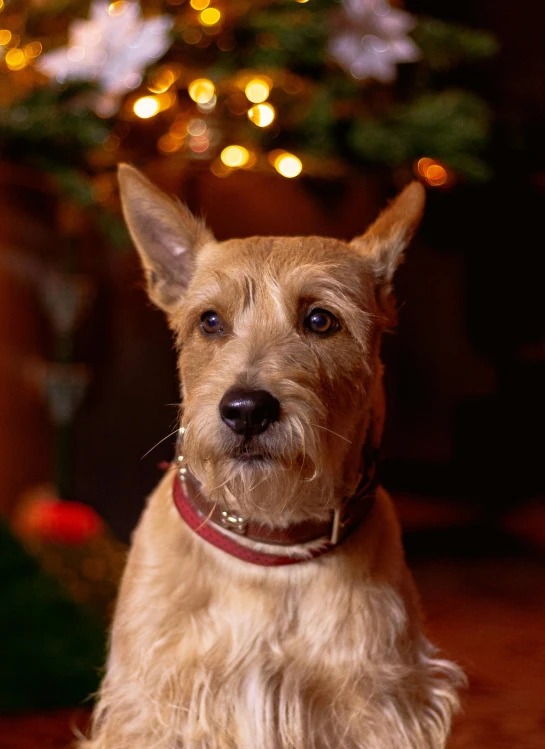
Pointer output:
488, 614
490, 617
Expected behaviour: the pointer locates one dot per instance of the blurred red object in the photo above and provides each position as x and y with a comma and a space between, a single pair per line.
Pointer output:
43, 516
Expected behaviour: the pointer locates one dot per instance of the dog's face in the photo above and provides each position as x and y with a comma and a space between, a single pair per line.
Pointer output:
279, 349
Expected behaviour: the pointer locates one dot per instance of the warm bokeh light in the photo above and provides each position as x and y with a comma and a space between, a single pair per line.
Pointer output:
433, 173
199, 144
111, 143
169, 144
118, 8
196, 127
145, 107
199, 4
210, 16
209, 105
192, 36
32, 49
166, 100
288, 165
178, 130
257, 90
226, 43
436, 175
235, 156
161, 81
201, 90
5, 37
218, 168
15, 59
423, 164
262, 114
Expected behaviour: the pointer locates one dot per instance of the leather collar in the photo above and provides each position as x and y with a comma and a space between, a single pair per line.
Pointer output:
224, 529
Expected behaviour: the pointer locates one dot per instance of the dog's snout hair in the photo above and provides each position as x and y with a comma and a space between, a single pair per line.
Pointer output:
281, 380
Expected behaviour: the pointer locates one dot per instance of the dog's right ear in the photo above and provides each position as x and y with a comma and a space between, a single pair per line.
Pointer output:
166, 234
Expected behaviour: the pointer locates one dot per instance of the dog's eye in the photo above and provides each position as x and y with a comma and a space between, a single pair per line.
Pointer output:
321, 321
211, 323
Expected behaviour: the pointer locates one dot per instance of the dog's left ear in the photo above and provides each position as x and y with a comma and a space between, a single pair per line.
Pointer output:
384, 242
166, 234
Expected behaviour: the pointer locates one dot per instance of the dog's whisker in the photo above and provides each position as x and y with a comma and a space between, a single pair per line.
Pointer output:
159, 443
318, 426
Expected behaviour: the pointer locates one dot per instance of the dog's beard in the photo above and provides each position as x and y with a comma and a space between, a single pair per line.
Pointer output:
279, 477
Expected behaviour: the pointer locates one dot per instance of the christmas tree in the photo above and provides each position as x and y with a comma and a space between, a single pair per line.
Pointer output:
312, 87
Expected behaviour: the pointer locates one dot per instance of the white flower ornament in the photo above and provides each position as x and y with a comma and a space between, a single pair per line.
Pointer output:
112, 48
372, 39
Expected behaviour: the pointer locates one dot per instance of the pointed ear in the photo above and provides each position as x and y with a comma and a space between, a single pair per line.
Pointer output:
167, 236
386, 239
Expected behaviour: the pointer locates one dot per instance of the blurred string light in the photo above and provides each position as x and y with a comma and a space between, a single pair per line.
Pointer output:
118, 8
162, 79
235, 156
196, 127
168, 143
32, 49
208, 106
199, 4
5, 37
199, 144
192, 36
257, 90
146, 107
433, 172
210, 16
286, 164
16, 59
262, 114
202, 91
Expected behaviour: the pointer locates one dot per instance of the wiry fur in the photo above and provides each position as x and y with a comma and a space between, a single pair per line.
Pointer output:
209, 652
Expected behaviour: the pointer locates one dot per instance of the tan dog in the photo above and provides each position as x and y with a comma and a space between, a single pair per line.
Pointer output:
277, 612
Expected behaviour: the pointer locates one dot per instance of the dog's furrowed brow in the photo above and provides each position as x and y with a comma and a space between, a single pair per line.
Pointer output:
330, 282
249, 291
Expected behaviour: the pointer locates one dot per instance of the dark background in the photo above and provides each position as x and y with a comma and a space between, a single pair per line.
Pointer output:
466, 364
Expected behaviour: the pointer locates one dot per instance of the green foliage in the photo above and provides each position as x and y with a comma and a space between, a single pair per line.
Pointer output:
57, 120
292, 37
446, 45
51, 648
451, 125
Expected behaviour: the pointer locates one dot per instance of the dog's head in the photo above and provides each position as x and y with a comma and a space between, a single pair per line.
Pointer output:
279, 348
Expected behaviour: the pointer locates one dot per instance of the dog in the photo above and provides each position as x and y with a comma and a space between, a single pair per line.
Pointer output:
266, 603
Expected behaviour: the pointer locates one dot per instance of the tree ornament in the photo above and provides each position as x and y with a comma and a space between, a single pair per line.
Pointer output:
113, 48
372, 39
65, 297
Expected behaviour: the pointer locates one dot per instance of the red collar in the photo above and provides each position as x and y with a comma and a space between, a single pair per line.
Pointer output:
205, 520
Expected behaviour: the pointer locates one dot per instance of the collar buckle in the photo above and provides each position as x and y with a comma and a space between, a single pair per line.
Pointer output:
234, 523
341, 519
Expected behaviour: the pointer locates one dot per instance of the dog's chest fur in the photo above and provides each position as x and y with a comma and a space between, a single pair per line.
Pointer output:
215, 654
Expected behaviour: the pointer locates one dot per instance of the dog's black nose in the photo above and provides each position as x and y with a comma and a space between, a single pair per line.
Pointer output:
249, 412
